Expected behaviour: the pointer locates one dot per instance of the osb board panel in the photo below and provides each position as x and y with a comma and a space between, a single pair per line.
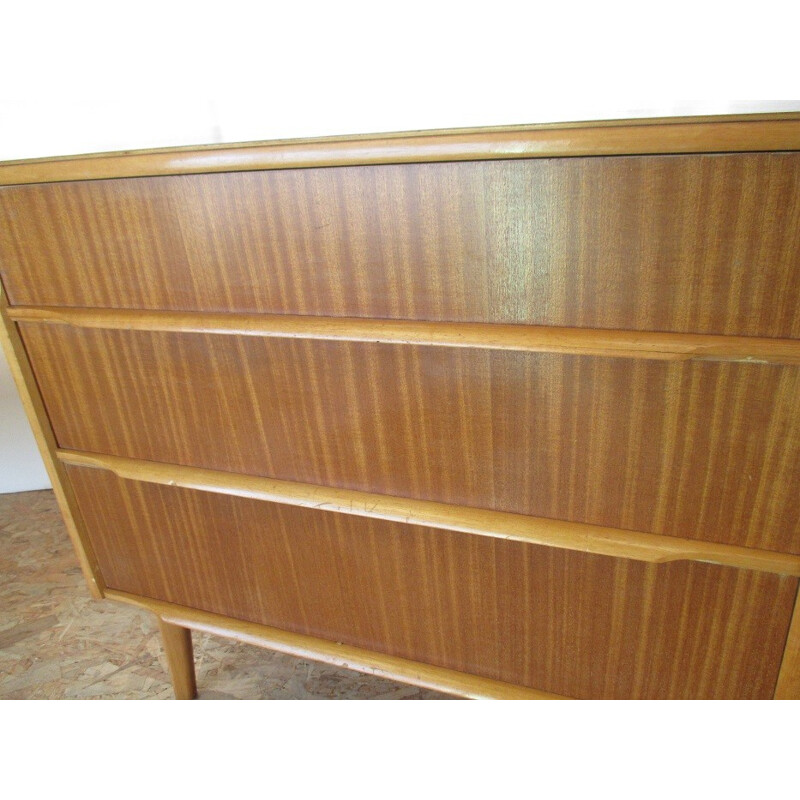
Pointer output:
701, 243
57, 643
697, 449
565, 622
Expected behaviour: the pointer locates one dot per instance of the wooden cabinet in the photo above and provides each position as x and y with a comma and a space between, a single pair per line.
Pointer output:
509, 413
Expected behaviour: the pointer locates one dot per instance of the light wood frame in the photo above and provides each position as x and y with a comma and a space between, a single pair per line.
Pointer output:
720, 134
474, 335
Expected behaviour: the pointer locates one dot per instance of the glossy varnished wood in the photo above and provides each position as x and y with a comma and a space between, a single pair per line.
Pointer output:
480, 522
694, 244
698, 450
563, 622
765, 132
475, 335
592, 326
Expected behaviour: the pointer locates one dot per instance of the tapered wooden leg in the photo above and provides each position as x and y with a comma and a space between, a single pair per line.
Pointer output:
180, 657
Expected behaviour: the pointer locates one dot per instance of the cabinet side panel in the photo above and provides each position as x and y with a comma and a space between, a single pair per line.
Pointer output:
39, 420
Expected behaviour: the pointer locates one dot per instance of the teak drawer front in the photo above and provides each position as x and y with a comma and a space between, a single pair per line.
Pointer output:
701, 243
693, 449
564, 622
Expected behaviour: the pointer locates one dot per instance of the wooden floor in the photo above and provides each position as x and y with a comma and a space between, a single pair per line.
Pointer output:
55, 642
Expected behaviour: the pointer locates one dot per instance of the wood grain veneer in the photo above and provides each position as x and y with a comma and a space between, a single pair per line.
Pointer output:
476, 335
640, 243
477, 521
578, 336
341, 655
698, 450
567, 623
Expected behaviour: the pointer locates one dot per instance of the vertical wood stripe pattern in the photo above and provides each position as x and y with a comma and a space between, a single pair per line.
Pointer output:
684, 245
653, 548
313, 648
697, 450
698, 244
568, 623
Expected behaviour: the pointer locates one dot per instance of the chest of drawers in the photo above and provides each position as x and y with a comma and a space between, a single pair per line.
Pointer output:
506, 413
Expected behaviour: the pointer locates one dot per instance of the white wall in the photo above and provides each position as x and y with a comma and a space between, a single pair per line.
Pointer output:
21, 467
